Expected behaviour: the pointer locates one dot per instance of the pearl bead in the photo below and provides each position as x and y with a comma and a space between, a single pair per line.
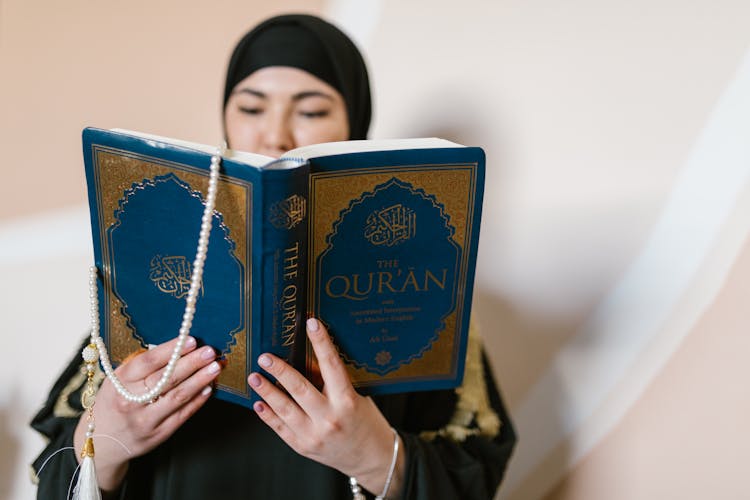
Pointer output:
90, 354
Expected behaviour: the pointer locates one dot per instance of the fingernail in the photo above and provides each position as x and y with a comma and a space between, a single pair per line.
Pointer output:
190, 342
265, 361
208, 353
214, 367
313, 324
254, 380
206, 391
258, 407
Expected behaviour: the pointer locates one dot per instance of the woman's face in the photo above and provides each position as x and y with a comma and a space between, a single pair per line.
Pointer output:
279, 108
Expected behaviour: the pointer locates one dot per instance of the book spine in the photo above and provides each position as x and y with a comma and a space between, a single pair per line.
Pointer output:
284, 262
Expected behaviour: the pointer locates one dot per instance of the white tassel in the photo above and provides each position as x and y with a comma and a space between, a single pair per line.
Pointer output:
87, 487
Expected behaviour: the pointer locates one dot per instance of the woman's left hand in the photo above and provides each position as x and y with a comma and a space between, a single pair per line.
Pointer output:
336, 426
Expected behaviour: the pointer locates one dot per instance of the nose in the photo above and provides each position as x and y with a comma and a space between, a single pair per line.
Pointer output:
277, 133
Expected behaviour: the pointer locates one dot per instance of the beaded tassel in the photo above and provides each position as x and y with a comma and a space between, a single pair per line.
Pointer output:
87, 487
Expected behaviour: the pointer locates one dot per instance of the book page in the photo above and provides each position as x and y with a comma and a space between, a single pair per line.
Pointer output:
251, 159
342, 147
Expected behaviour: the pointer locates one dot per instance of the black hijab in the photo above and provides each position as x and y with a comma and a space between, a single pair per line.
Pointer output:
313, 45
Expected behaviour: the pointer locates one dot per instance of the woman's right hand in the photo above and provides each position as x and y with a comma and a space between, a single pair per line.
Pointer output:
143, 427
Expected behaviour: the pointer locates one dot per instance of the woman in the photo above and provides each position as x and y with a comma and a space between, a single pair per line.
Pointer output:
292, 81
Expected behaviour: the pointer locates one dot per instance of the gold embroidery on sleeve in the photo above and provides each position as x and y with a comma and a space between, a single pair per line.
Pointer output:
473, 414
62, 408
32, 475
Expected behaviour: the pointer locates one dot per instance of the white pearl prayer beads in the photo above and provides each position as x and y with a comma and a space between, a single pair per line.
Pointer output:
187, 318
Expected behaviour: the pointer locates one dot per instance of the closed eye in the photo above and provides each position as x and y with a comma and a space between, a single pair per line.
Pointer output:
314, 114
251, 111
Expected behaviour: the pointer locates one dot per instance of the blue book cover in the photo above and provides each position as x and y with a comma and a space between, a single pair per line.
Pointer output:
376, 238
392, 249
146, 198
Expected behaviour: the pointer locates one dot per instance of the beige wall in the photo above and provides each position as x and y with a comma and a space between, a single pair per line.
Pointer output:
613, 251
686, 436
615, 168
151, 66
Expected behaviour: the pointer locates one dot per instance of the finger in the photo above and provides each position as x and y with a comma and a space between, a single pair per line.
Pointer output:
152, 360
175, 419
172, 401
335, 377
296, 385
267, 415
281, 403
186, 366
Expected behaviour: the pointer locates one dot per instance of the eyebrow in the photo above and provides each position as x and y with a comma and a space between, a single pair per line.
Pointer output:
296, 97
311, 93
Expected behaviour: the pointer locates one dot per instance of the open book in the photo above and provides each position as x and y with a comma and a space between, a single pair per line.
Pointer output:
377, 239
